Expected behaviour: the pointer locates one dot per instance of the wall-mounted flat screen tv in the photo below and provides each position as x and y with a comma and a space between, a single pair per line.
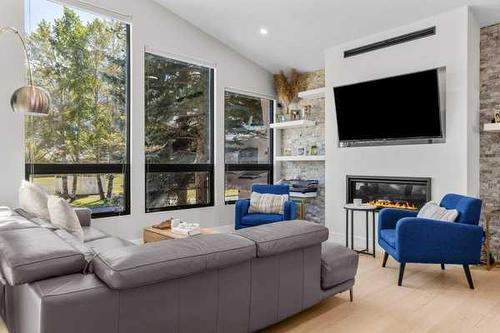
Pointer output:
405, 109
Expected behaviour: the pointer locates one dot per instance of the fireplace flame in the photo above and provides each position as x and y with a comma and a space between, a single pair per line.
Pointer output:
393, 204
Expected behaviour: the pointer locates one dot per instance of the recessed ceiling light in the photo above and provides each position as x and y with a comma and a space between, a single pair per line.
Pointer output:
263, 31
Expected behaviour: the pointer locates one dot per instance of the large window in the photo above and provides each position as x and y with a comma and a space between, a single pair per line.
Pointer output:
178, 134
80, 151
248, 144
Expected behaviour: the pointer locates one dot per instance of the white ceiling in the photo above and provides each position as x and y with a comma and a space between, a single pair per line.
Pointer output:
299, 30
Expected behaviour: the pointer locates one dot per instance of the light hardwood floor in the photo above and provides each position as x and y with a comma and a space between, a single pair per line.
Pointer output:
430, 300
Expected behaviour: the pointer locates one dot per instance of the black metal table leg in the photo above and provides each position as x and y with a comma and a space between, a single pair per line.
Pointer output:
352, 230
346, 228
367, 209
367, 221
373, 233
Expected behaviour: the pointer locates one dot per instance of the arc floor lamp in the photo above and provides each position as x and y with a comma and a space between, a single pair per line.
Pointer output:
30, 99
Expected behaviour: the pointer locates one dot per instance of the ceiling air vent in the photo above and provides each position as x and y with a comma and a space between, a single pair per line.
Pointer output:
391, 42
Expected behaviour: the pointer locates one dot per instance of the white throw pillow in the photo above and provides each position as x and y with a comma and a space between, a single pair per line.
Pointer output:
267, 203
33, 199
432, 210
62, 215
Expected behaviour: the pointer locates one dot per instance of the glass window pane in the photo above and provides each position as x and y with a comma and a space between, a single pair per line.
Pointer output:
81, 59
173, 189
248, 142
178, 133
247, 131
102, 193
239, 183
178, 111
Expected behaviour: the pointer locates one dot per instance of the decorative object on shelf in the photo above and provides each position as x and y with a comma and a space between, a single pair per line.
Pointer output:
306, 112
313, 150
296, 115
301, 151
497, 115
287, 152
281, 118
288, 89
29, 99
302, 188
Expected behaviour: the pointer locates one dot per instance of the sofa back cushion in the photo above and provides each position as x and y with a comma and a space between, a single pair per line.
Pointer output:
32, 254
276, 238
14, 222
136, 266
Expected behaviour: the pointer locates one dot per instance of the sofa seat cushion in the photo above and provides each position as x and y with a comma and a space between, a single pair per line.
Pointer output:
28, 255
90, 234
75, 243
338, 265
258, 219
108, 243
276, 238
389, 236
136, 266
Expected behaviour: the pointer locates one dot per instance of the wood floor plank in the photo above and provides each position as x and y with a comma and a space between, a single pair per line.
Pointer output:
430, 300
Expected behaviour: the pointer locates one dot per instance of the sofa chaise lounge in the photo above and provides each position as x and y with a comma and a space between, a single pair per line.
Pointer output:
233, 282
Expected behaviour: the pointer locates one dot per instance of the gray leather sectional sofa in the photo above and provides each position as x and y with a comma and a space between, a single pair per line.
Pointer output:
234, 282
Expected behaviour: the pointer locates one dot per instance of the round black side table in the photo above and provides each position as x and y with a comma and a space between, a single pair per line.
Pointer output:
351, 208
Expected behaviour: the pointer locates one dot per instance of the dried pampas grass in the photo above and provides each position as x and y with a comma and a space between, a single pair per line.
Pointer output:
287, 90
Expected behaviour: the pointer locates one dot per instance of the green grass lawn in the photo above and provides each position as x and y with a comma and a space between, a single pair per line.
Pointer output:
89, 201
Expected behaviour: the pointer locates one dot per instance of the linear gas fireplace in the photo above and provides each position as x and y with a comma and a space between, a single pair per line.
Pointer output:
390, 192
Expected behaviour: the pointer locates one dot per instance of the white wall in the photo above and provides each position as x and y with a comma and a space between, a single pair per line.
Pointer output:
11, 124
451, 165
157, 28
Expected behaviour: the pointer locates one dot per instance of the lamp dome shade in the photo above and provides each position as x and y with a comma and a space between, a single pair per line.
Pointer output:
31, 100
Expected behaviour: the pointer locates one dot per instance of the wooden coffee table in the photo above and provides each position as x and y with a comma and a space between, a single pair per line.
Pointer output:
153, 235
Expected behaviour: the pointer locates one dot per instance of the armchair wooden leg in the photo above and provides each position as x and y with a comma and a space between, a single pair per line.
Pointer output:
468, 276
442, 267
401, 273
384, 262
351, 296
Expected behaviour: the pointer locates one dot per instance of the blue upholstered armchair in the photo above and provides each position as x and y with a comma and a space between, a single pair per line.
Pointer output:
409, 239
245, 220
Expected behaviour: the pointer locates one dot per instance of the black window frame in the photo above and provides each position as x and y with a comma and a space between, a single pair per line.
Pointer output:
41, 169
185, 168
269, 167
